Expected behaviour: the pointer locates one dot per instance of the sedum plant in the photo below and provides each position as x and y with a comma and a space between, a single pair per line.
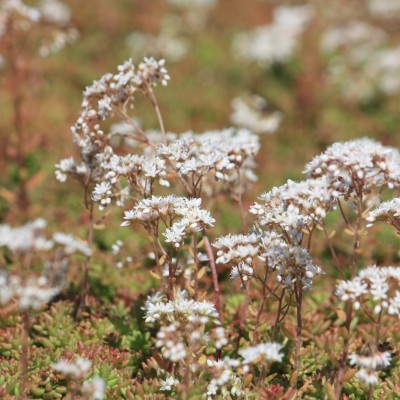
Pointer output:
199, 334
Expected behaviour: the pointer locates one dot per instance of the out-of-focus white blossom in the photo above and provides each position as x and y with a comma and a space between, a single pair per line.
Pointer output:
25, 238
224, 379
357, 37
193, 3
171, 348
72, 245
263, 352
378, 287
55, 11
75, 369
32, 293
94, 389
168, 384
50, 20
252, 113
10, 8
166, 44
384, 8
219, 337
260, 44
362, 61
369, 366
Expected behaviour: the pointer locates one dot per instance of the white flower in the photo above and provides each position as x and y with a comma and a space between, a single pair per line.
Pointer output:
376, 286
152, 72
77, 369
220, 338
369, 365
388, 211
168, 384
55, 11
259, 44
102, 193
71, 244
26, 238
64, 167
269, 352
375, 361
296, 205
368, 376
149, 210
351, 290
394, 304
33, 293
357, 166
180, 309
94, 389
172, 347
250, 113
384, 8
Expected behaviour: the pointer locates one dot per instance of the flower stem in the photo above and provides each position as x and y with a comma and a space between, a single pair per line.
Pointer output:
24, 354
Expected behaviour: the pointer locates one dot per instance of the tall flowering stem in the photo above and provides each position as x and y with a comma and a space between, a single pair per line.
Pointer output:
214, 273
349, 305
86, 265
24, 353
299, 300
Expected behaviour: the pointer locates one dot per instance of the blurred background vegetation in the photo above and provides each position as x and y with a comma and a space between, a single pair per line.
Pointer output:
197, 39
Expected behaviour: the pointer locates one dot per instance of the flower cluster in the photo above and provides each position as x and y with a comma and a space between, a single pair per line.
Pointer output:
77, 369
354, 168
192, 218
181, 310
168, 384
388, 211
295, 205
168, 340
378, 287
111, 93
224, 379
225, 156
369, 366
263, 352
292, 264
113, 90
238, 251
